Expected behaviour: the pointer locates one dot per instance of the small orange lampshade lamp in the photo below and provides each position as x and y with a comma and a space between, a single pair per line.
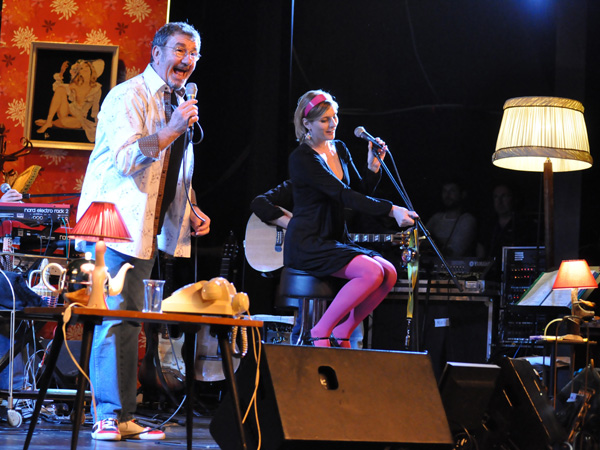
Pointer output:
576, 274
101, 223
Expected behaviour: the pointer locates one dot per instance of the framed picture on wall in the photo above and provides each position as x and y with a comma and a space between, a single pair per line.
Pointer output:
66, 86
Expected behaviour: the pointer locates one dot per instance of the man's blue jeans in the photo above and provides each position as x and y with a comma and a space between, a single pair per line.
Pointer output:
114, 357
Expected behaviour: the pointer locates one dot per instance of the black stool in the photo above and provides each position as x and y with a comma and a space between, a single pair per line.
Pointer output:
300, 289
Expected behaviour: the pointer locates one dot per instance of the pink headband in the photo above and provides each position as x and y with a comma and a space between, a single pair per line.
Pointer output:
314, 102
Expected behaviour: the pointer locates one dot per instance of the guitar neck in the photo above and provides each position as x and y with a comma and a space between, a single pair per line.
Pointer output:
264, 243
373, 238
225, 268
230, 249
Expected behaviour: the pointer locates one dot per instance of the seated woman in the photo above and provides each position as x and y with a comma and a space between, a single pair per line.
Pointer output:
325, 182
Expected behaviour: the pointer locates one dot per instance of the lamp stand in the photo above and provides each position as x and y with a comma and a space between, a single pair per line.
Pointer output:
99, 275
549, 213
573, 322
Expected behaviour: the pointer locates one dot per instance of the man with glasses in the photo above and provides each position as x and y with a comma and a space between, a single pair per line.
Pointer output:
143, 163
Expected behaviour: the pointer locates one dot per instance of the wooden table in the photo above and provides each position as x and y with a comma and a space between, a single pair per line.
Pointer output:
189, 324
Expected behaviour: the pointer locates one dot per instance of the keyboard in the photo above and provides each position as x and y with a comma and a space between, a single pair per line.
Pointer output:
39, 213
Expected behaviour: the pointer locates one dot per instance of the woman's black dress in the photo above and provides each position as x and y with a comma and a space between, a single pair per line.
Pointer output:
317, 239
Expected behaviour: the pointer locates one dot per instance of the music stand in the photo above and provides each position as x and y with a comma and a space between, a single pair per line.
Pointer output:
541, 294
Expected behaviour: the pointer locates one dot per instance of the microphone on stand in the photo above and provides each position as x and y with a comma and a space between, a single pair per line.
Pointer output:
361, 133
4, 188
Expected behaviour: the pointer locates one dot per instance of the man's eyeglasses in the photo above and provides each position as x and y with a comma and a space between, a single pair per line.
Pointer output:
181, 52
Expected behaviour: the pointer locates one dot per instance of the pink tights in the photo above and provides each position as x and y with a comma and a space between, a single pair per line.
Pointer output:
371, 278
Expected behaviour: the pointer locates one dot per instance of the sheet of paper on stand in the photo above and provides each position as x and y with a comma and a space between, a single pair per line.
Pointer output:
541, 294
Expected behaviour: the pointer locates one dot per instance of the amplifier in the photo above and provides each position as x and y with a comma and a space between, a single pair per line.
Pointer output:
464, 267
516, 324
20, 229
39, 239
520, 266
448, 329
447, 290
453, 324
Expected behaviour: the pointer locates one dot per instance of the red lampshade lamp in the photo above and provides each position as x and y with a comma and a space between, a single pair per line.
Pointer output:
101, 223
575, 275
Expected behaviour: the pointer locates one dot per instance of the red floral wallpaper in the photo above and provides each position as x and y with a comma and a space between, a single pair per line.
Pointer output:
130, 24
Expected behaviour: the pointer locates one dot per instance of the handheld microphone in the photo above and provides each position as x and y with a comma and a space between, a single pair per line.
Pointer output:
361, 133
4, 188
190, 91
190, 94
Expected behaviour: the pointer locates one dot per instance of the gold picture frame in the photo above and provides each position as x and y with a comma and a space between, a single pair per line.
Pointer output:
65, 88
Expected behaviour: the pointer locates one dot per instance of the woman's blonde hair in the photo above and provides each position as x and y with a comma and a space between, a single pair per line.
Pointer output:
309, 111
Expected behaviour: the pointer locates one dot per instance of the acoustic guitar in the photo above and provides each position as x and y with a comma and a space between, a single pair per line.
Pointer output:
208, 365
263, 243
163, 368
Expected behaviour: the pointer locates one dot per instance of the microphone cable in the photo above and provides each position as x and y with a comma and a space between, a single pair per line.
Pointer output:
188, 138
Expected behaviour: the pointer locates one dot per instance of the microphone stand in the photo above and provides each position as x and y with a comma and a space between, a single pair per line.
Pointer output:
420, 226
404, 195
68, 194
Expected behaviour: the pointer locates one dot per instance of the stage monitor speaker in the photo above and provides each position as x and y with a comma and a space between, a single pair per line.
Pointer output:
325, 398
521, 414
466, 390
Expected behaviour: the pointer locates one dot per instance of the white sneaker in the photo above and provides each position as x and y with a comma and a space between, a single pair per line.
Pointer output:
132, 430
106, 430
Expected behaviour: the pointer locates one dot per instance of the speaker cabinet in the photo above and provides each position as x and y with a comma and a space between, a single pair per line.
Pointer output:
324, 398
466, 390
521, 414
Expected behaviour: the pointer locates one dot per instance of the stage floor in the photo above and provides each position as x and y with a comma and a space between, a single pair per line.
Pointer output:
57, 436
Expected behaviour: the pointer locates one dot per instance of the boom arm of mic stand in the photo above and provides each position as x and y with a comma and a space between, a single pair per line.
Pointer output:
62, 194
420, 225
439, 254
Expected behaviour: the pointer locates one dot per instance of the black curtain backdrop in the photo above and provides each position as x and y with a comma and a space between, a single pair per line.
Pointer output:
428, 76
